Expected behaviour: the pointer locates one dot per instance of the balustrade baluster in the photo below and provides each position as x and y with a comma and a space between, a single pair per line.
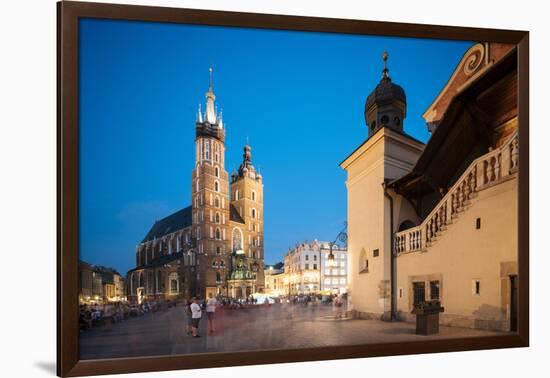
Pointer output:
486, 164
466, 188
492, 176
397, 243
515, 153
460, 197
497, 167
474, 178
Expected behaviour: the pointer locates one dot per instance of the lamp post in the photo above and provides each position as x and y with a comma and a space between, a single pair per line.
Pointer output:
342, 237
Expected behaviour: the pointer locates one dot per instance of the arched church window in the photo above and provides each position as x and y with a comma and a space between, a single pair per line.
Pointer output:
253, 195
237, 239
218, 234
207, 150
218, 218
174, 283
253, 213
216, 186
217, 172
384, 120
217, 201
363, 261
218, 277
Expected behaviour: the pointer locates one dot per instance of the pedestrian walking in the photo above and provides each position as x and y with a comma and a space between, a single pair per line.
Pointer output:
211, 304
196, 314
338, 304
189, 314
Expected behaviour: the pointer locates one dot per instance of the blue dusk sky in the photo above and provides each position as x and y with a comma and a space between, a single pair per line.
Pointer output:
298, 96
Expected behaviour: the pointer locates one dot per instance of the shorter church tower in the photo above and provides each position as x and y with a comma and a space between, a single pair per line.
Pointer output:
388, 153
247, 202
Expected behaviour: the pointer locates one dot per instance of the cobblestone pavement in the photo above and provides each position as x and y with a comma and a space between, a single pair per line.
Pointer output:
276, 327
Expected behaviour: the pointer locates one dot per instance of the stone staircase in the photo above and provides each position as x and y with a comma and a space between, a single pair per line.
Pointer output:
490, 169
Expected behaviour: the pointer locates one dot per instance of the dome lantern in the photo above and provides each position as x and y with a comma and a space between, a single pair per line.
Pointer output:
386, 106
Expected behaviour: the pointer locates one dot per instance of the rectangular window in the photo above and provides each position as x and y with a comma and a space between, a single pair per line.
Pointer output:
307, 257
342, 281
314, 266
476, 287
434, 290
478, 223
307, 266
400, 292
314, 257
375, 253
419, 292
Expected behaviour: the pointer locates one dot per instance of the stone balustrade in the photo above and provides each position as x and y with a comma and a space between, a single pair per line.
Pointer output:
482, 173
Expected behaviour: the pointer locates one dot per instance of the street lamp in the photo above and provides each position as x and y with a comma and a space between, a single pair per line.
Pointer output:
343, 237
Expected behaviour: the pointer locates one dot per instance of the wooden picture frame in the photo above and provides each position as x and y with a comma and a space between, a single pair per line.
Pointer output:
69, 13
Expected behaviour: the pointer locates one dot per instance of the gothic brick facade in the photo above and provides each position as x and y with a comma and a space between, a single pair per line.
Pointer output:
216, 244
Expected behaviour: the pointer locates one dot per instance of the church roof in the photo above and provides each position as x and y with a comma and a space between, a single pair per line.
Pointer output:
179, 220
159, 261
234, 215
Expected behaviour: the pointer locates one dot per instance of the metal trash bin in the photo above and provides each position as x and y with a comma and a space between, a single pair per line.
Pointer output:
427, 317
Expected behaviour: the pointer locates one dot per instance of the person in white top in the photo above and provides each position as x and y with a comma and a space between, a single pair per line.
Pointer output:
196, 314
210, 310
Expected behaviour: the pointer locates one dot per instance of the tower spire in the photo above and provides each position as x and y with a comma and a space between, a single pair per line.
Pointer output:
199, 115
385, 71
210, 115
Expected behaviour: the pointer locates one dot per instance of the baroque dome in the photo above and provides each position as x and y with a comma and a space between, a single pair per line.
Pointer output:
384, 92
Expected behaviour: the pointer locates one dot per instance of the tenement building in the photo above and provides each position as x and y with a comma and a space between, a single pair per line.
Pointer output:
438, 221
334, 270
274, 281
216, 244
99, 284
309, 270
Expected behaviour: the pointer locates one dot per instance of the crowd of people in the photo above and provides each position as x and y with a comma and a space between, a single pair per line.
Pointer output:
195, 307
92, 315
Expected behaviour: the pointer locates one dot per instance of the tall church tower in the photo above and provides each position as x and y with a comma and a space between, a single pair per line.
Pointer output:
210, 200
